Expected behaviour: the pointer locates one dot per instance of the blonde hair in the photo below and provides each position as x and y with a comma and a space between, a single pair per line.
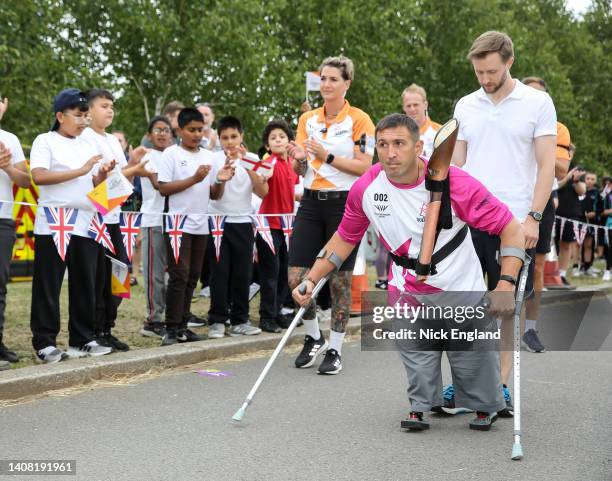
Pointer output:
342, 63
492, 42
416, 89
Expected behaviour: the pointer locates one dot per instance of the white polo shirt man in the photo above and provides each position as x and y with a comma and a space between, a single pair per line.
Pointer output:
500, 141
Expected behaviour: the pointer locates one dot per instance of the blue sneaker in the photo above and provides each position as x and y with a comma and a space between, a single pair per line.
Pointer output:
508, 412
448, 398
448, 394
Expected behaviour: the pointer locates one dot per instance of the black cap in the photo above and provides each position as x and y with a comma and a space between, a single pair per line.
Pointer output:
66, 99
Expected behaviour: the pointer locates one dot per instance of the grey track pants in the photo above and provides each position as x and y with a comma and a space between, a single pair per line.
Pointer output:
155, 263
476, 379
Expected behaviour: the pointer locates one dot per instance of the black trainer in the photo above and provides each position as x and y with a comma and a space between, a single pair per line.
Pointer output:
112, 341
312, 348
194, 321
332, 363
186, 335
415, 422
532, 342
483, 421
170, 337
7, 355
269, 325
155, 329
284, 320
384, 285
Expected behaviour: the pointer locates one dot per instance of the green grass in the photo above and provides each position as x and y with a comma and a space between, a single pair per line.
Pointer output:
17, 334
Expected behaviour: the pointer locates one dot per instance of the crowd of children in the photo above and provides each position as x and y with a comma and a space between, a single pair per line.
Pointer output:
190, 175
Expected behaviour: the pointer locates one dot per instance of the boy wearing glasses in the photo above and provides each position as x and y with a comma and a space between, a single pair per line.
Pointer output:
154, 259
62, 166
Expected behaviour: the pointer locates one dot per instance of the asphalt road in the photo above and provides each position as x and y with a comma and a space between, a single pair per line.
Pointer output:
302, 426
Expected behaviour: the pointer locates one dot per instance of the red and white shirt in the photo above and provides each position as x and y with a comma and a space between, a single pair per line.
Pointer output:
397, 213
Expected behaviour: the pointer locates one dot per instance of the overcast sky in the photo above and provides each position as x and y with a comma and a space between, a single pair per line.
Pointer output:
578, 6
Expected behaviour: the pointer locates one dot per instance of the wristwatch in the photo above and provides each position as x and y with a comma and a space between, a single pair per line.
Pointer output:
330, 158
537, 216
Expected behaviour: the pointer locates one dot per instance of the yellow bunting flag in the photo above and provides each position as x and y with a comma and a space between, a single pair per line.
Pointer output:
120, 278
111, 193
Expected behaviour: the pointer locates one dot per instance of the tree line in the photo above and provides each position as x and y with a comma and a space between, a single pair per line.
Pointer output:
248, 57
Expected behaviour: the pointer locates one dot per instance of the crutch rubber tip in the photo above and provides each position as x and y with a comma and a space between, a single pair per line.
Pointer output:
239, 416
517, 452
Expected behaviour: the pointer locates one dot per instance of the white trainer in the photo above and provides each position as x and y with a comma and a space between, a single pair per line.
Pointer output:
216, 330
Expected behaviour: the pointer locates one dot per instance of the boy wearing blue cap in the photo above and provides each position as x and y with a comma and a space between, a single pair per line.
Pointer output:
62, 164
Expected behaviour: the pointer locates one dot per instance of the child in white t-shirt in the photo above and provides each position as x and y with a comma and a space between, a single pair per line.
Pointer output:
13, 171
101, 113
62, 166
154, 259
185, 177
231, 273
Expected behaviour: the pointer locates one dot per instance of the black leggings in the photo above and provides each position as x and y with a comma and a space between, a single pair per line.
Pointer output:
316, 222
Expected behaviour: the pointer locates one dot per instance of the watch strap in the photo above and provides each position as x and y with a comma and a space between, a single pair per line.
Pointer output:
508, 278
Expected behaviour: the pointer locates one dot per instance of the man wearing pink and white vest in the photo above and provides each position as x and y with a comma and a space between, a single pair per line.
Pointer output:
392, 197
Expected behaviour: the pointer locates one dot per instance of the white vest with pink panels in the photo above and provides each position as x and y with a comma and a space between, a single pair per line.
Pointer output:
397, 213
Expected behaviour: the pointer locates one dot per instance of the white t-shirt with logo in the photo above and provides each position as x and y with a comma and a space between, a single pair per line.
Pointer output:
176, 163
108, 146
500, 141
57, 153
152, 200
237, 192
11, 142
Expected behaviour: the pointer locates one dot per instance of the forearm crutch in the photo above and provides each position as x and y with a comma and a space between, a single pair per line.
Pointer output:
239, 416
517, 448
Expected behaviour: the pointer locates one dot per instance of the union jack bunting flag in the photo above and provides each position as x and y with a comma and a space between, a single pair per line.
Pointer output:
174, 229
216, 224
97, 231
61, 223
287, 225
129, 223
263, 229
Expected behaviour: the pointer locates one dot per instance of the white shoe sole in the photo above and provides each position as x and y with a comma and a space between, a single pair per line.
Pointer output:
216, 336
314, 358
76, 354
237, 334
330, 372
55, 361
454, 411
146, 333
196, 324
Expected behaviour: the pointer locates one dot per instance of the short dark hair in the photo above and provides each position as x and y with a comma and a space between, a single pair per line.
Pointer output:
158, 118
535, 80
276, 124
93, 94
398, 120
189, 114
229, 122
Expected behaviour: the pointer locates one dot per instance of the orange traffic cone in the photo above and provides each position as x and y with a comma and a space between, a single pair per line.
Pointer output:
552, 278
360, 280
